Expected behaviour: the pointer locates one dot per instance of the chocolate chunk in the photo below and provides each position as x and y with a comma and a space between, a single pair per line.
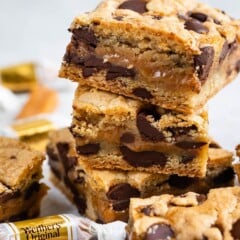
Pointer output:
34, 187
127, 137
134, 5
180, 182
224, 52
114, 71
119, 18
67, 161
88, 72
80, 203
201, 198
147, 131
187, 159
143, 159
237, 67
121, 194
224, 177
196, 26
235, 232
214, 145
190, 145
5, 196
180, 131
216, 21
86, 35
142, 93
94, 61
202, 17
91, 148
159, 231
148, 210
232, 46
203, 62
51, 154
156, 17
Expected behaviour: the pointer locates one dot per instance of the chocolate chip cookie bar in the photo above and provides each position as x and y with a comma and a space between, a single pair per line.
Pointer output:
20, 172
175, 54
189, 216
104, 195
139, 134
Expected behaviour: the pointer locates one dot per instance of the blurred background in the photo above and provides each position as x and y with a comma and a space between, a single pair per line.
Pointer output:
36, 31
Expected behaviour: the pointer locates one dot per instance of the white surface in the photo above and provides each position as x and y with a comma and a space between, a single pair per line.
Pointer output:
37, 31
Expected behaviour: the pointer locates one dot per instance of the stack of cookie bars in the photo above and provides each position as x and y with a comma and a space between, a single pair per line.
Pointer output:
146, 70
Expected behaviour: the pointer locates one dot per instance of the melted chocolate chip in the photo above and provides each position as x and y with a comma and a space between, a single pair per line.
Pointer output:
232, 46
86, 35
143, 159
127, 137
214, 145
134, 5
148, 210
147, 131
142, 93
216, 21
118, 18
180, 181
159, 231
190, 145
51, 154
201, 198
55, 170
35, 187
237, 67
5, 196
91, 148
224, 177
235, 232
118, 71
202, 17
187, 159
203, 62
224, 52
196, 26
121, 194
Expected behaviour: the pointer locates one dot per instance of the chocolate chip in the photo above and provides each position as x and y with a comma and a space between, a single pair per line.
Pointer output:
86, 35
224, 52
159, 231
201, 198
180, 131
196, 26
80, 203
224, 177
190, 145
203, 62
156, 17
214, 145
232, 46
91, 148
202, 17
121, 194
147, 131
127, 137
34, 187
148, 210
237, 67
143, 159
134, 5
216, 21
5, 196
87, 72
187, 159
114, 71
142, 93
180, 182
51, 153
13, 157
235, 232
119, 18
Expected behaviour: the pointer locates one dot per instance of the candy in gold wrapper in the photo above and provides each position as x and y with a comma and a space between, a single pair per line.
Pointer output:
61, 227
19, 78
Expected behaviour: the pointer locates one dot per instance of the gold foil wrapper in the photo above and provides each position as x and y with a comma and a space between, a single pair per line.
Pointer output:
19, 78
34, 132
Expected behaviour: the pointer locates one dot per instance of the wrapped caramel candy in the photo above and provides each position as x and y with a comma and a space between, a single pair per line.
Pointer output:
62, 227
19, 78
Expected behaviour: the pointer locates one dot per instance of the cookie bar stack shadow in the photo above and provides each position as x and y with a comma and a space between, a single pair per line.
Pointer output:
146, 70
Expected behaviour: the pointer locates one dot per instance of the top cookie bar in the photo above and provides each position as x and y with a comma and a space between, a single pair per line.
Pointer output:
175, 54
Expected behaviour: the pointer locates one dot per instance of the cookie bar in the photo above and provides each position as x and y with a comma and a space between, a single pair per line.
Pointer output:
20, 172
188, 216
140, 135
104, 195
175, 54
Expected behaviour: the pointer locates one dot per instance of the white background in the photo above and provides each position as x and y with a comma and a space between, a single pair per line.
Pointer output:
37, 31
